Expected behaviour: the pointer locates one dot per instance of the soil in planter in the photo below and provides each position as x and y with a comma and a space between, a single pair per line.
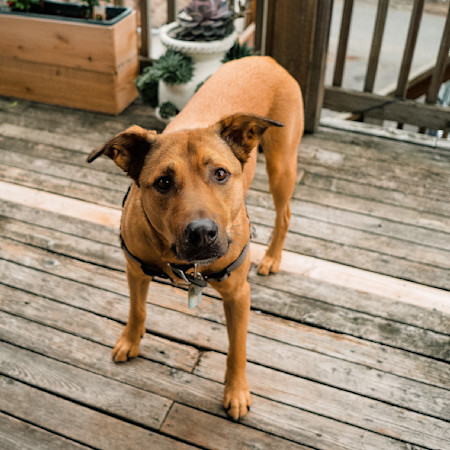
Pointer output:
72, 11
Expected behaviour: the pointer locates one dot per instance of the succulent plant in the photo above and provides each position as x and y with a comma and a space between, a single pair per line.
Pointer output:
22, 5
167, 110
205, 20
147, 86
239, 51
174, 67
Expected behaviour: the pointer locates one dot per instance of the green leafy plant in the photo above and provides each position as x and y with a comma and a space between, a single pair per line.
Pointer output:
39, 6
167, 110
174, 67
147, 86
205, 20
90, 7
239, 51
22, 5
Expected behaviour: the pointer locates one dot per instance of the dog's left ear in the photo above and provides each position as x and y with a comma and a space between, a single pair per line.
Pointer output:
243, 131
128, 149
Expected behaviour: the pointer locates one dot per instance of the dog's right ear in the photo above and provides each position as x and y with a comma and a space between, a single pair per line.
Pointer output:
128, 149
243, 131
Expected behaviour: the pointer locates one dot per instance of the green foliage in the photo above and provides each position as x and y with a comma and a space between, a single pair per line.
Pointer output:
205, 20
174, 67
167, 110
38, 6
90, 7
22, 5
147, 86
238, 51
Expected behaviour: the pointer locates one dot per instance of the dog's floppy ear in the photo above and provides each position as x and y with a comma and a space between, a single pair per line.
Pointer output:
128, 149
242, 132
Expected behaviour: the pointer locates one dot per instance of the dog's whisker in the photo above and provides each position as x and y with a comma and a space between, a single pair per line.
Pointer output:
234, 233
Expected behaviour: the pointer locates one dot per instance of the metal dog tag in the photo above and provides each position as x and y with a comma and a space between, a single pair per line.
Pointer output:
194, 295
195, 290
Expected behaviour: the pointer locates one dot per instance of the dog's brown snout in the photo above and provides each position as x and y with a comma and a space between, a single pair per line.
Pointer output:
201, 233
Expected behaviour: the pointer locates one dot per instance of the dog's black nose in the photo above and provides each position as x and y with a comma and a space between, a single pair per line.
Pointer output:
201, 233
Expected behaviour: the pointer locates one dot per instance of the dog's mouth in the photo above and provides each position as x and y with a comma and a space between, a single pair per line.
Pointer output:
204, 261
193, 256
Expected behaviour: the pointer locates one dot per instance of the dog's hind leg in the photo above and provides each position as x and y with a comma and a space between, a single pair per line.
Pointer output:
127, 346
280, 151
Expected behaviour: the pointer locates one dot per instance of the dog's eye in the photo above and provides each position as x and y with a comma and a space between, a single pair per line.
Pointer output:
221, 175
164, 184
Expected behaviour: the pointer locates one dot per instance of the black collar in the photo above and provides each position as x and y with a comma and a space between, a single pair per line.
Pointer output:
186, 272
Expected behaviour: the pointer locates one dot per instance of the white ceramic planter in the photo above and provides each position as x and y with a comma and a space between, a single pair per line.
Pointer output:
207, 58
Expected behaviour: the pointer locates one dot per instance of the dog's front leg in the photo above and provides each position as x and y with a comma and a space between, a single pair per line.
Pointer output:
127, 346
236, 302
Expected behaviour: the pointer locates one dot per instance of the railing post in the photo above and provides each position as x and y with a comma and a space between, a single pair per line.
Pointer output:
172, 6
341, 55
296, 35
413, 31
145, 28
441, 63
316, 80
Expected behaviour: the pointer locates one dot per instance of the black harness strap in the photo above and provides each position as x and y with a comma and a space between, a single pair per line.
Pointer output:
126, 195
146, 269
182, 271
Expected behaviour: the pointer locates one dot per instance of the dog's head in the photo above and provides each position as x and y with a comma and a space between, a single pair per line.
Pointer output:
191, 181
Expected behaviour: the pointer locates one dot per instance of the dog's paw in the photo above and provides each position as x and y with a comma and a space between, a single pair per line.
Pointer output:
125, 348
269, 265
237, 401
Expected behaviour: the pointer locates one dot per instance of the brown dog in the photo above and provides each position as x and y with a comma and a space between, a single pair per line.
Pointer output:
185, 211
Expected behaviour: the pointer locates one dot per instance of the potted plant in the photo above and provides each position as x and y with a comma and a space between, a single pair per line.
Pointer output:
56, 53
173, 68
204, 31
176, 69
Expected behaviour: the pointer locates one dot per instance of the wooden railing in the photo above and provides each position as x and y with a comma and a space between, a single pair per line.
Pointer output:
296, 33
145, 19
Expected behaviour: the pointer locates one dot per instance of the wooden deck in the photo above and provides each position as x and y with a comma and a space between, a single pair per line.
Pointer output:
348, 347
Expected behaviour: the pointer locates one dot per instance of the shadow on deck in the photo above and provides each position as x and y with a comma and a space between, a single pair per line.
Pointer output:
348, 346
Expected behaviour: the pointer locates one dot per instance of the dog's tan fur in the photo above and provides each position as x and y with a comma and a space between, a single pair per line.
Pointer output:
220, 128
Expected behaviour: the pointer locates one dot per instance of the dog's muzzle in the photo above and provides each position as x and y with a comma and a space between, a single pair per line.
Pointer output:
201, 242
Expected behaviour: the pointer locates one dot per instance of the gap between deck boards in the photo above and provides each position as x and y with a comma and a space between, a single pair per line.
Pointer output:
362, 280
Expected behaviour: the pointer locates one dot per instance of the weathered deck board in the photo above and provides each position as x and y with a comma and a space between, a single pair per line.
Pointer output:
18, 435
82, 424
382, 195
344, 406
63, 380
343, 351
293, 423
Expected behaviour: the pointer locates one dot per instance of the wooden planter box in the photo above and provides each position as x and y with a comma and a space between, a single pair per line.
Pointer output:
78, 63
